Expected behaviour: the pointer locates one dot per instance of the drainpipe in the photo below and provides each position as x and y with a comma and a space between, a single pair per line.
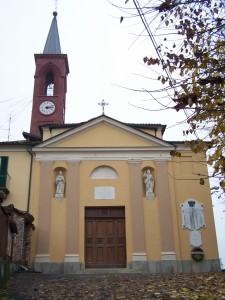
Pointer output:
30, 177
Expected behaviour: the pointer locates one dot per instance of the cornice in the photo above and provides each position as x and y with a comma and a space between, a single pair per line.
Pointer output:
103, 154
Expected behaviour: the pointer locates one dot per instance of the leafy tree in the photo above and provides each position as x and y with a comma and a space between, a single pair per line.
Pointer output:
192, 56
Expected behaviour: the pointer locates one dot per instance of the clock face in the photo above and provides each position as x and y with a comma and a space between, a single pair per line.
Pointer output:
47, 107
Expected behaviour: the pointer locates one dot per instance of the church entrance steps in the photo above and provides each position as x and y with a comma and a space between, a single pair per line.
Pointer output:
109, 271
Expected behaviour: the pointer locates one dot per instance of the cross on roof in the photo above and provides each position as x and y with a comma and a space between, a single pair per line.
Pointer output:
103, 104
56, 5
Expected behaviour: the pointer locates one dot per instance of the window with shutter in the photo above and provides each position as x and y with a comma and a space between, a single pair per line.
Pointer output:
3, 171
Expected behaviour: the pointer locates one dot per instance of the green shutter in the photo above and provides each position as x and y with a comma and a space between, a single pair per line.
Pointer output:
3, 170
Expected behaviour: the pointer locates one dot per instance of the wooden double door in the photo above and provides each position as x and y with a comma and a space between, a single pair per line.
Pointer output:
105, 240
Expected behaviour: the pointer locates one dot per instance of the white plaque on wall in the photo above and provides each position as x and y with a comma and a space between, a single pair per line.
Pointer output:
104, 192
195, 238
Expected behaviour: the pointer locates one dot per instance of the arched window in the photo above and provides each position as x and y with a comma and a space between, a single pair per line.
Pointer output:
104, 172
49, 84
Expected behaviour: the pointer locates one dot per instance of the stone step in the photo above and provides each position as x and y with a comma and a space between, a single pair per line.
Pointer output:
108, 271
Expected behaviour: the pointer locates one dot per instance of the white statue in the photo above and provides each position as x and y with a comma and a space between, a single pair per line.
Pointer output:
149, 185
60, 186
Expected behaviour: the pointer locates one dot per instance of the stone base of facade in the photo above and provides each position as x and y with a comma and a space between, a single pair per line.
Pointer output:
42, 258
141, 266
70, 258
183, 266
168, 256
139, 262
58, 268
71, 264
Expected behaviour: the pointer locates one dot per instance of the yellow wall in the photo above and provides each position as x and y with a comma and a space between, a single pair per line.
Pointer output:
47, 134
19, 171
181, 172
110, 136
184, 180
58, 230
87, 186
180, 191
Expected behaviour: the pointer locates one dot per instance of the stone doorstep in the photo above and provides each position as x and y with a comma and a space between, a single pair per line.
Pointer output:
108, 271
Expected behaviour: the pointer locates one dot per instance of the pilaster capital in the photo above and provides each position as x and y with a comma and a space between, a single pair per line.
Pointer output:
134, 161
161, 160
73, 161
47, 162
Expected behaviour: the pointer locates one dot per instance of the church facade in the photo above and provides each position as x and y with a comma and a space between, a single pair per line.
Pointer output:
106, 194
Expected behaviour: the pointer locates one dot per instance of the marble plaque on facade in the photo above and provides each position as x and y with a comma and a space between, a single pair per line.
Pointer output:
192, 215
104, 192
195, 238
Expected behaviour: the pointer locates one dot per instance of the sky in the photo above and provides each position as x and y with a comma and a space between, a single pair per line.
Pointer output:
105, 61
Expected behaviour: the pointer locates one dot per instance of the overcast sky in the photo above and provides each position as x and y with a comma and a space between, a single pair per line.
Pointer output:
103, 55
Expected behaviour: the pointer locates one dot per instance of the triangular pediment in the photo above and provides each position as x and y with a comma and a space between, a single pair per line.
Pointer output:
103, 132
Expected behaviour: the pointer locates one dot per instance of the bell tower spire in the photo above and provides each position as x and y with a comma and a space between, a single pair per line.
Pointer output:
50, 82
52, 45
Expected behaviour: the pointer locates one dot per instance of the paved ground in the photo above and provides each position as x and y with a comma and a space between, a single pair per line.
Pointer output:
31, 286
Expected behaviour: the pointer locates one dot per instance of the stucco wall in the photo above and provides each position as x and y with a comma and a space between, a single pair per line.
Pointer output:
61, 223
19, 172
180, 191
185, 173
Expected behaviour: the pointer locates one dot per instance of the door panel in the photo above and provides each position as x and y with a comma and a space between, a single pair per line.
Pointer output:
105, 241
89, 241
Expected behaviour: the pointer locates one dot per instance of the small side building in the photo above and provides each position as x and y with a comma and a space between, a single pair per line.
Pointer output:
15, 225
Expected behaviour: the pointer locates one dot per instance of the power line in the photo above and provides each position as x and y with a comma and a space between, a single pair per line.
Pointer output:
10, 118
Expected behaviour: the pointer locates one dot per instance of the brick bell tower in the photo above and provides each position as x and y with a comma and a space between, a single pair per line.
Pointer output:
50, 83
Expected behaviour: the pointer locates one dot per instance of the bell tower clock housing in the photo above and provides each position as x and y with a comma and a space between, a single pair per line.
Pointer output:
50, 83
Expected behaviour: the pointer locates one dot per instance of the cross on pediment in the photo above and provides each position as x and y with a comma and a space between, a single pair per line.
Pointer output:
56, 5
103, 104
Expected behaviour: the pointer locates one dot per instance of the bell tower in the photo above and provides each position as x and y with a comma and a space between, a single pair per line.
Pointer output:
50, 83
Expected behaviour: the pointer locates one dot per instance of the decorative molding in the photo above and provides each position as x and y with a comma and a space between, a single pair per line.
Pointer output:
72, 258
42, 258
47, 161
168, 256
105, 120
104, 172
161, 160
132, 154
134, 161
73, 161
97, 156
142, 256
